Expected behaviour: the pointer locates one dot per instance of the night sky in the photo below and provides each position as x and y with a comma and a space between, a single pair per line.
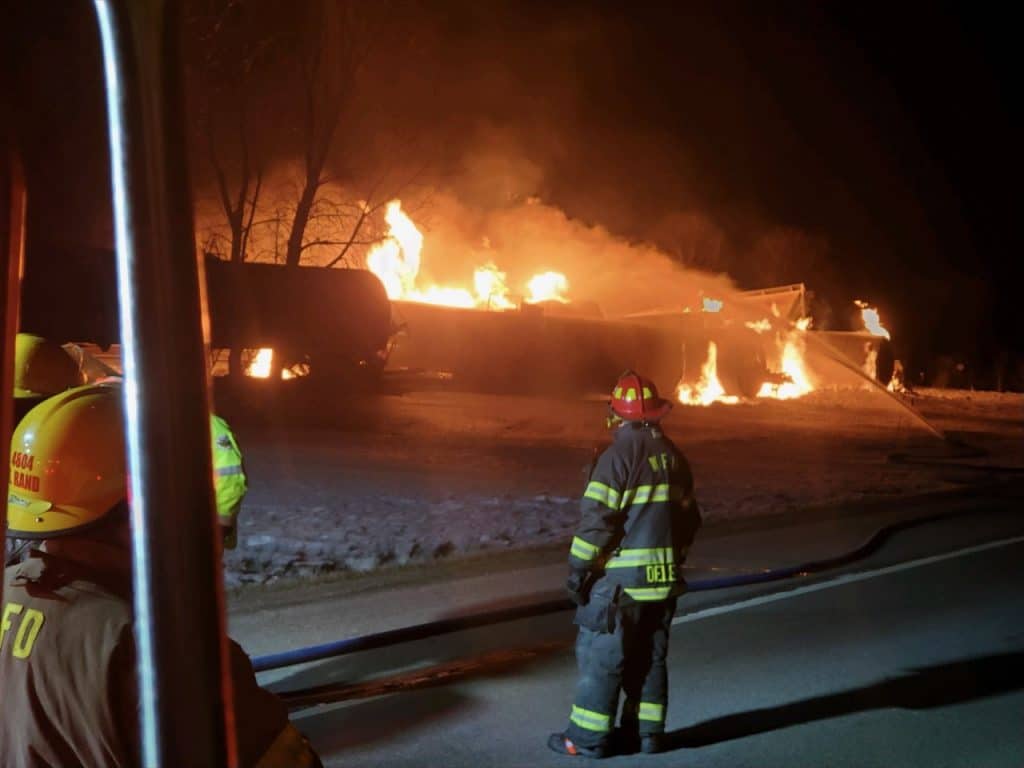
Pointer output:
884, 134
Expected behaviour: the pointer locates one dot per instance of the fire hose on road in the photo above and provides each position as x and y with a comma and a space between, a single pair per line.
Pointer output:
472, 621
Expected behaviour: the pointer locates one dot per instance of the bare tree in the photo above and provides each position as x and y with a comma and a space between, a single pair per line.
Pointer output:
693, 239
285, 82
298, 71
787, 255
346, 225
337, 40
231, 46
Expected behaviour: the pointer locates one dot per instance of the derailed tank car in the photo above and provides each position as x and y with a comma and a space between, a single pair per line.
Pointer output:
336, 322
530, 351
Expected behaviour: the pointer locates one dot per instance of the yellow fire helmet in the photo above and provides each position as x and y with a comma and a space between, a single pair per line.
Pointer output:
42, 367
68, 466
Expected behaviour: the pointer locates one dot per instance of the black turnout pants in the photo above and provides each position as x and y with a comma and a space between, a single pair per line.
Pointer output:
621, 646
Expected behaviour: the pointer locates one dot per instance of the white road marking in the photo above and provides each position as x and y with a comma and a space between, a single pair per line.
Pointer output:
839, 581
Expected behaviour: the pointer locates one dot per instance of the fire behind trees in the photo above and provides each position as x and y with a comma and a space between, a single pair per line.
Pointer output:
776, 144
279, 122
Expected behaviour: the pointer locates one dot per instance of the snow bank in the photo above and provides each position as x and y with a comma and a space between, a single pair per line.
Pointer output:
360, 536
445, 474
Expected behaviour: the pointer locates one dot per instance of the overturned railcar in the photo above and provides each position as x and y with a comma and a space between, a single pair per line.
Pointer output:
529, 351
556, 349
334, 322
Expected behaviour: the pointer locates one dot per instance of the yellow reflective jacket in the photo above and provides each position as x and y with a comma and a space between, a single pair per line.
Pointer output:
638, 515
229, 481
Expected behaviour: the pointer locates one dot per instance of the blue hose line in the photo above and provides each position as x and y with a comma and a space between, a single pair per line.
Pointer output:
472, 621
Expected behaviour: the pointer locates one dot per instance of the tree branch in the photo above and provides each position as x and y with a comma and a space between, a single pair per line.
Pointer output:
247, 228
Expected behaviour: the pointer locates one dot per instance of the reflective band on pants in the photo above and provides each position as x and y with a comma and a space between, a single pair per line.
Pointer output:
648, 594
652, 712
591, 721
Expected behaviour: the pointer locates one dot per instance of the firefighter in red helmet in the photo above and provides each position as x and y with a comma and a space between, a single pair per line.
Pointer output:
639, 518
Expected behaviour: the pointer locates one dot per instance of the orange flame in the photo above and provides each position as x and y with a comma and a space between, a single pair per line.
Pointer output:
491, 289
547, 286
896, 383
870, 366
872, 321
708, 388
396, 261
443, 295
793, 379
791, 365
260, 366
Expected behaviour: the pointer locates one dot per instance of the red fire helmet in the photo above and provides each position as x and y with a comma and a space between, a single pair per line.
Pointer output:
635, 398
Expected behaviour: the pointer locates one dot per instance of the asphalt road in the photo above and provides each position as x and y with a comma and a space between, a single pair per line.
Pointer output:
914, 658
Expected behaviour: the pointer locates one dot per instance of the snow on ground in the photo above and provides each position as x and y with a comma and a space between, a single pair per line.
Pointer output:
425, 475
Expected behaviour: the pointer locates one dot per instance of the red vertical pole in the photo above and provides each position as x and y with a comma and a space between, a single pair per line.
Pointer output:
12, 248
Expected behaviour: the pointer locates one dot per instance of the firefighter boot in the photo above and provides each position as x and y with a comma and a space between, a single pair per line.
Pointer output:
563, 745
652, 743
628, 741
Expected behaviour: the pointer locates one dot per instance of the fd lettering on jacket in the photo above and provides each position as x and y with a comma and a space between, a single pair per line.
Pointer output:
23, 626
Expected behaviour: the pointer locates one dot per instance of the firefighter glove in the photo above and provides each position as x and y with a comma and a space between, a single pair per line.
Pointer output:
578, 585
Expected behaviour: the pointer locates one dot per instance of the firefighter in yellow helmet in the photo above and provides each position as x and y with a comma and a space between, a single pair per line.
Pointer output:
67, 651
41, 368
